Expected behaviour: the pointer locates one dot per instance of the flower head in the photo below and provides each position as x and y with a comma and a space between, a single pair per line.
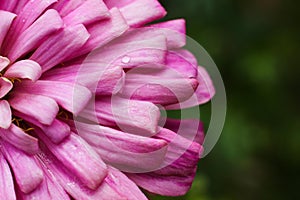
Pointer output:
82, 83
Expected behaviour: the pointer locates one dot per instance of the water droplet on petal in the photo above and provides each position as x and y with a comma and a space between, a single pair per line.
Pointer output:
126, 59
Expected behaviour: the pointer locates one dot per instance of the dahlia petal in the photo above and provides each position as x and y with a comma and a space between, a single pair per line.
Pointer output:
41, 108
131, 116
191, 129
8, 5
5, 114
19, 139
176, 178
121, 183
97, 10
66, 6
48, 23
142, 57
103, 32
103, 80
27, 173
159, 86
25, 18
79, 158
203, 94
56, 132
62, 45
186, 55
129, 50
72, 97
175, 32
117, 3
49, 189
123, 150
178, 63
26, 69
140, 12
7, 190
72, 185
166, 186
182, 155
4, 62
20, 5
5, 86
5, 23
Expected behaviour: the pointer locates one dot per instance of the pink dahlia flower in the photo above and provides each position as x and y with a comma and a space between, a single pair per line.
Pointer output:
80, 85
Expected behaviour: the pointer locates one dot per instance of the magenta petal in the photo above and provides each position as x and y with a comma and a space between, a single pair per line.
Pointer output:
5, 114
103, 32
49, 189
56, 132
184, 67
27, 173
130, 49
79, 158
62, 45
41, 108
7, 190
140, 12
25, 69
4, 62
25, 18
8, 5
5, 86
102, 80
131, 116
122, 150
159, 86
72, 185
97, 10
64, 7
5, 23
203, 94
126, 187
191, 129
45, 25
72, 97
174, 31
21, 140
176, 178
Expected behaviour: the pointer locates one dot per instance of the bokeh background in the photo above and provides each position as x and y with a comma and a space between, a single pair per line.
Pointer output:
256, 46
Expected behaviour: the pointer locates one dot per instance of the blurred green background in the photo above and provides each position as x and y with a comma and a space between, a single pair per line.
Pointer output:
256, 46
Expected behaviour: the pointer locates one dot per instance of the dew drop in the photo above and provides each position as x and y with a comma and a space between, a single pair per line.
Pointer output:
126, 59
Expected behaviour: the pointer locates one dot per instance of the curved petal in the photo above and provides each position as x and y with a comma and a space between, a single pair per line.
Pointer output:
78, 157
25, 18
5, 86
41, 108
97, 10
72, 97
123, 150
26, 69
56, 132
138, 117
4, 62
31, 38
21, 140
27, 173
139, 12
176, 178
7, 190
5, 114
5, 23
72, 185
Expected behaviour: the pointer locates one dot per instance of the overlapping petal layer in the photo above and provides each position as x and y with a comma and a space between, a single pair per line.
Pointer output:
82, 83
